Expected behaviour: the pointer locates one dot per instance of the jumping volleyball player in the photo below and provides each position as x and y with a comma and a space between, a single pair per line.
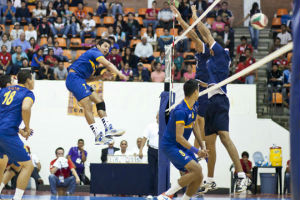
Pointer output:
176, 146
217, 111
84, 69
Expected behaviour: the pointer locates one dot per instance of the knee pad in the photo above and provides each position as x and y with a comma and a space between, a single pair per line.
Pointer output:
101, 106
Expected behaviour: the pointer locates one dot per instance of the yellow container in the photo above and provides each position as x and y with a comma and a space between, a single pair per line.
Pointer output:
275, 156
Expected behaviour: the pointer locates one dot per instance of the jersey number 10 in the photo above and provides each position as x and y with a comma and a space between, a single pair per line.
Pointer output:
9, 97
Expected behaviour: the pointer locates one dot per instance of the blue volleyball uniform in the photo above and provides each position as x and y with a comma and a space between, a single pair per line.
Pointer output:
177, 154
217, 113
11, 99
202, 75
85, 66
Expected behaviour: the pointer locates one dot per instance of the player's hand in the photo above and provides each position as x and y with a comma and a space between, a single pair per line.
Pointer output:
194, 11
77, 180
203, 153
123, 77
141, 155
175, 12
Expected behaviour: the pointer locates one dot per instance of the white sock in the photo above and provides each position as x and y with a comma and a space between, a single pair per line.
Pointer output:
105, 122
1, 187
186, 197
18, 194
173, 189
241, 175
95, 129
210, 179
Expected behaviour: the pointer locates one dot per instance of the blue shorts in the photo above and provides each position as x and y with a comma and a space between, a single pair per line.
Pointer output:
78, 86
202, 103
217, 114
13, 147
178, 157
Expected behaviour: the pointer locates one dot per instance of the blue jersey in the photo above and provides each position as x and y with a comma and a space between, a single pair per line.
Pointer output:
184, 114
201, 69
87, 63
11, 99
218, 65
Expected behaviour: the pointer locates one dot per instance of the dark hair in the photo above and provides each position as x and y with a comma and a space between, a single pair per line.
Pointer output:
103, 41
254, 8
23, 75
224, 2
80, 140
59, 148
284, 25
4, 80
277, 38
245, 153
243, 38
90, 14
242, 59
190, 87
247, 49
111, 38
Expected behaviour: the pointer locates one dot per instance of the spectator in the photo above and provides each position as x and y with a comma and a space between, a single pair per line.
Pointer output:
139, 159
51, 12
178, 62
23, 14
37, 64
240, 50
75, 3
161, 59
6, 42
123, 147
9, 13
224, 11
60, 28
58, 5
115, 58
151, 134
287, 178
287, 74
88, 26
17, 58
5, 60
246, 164
120, 22
1, 30
189, 74
60, 169
46, 47
110, 150
249, 61
38, 13
158, 75
3, 3
282, 62
127, 71
50, 59
43, 28
151, 16
31, 32
185, 9
120, 37
133, 27
165, 16
60, 73
274, 80
214, 13
276, 45
66, 14
34, 47
22, 42
165, 39
284, 36
25, 64
129, 58
241, 66
151, 36
16, 32
75, 26
113, 44
102, 8
144, 51
80, 13
141, 73
116, 7
108, 33
58, 53
78, 157
201, 5
182, 45
228, 39
218, 25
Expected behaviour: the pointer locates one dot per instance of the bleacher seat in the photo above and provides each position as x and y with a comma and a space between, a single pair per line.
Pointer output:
139, 19
3, 27
277, 98
11, 27
108, 20
276, 22
43, 41
156, 53
25, 28
174, 31
67, 64
79, 52
31, 8
97, 20
75, 43
88, 9
128, 10
134, 42
61, 42
67, 53
289, 56
281, 11
100, 30
72, 9
148, 66
142, 11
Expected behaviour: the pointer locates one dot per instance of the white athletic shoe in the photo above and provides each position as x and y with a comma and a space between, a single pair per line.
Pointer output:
241, 185
163, 196
102, 140
207, 187
111, 132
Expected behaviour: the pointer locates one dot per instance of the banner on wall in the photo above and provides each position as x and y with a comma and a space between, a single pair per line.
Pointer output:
74, 107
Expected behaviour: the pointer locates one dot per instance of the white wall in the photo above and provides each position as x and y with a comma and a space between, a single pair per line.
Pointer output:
131, 106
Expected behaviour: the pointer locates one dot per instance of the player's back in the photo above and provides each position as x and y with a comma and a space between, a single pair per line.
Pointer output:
87, 63
11, 99
182, 113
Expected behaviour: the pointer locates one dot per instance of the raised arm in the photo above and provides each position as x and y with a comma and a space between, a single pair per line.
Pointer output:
191, 34
112, 67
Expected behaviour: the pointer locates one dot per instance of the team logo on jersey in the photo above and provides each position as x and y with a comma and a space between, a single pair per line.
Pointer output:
193, 115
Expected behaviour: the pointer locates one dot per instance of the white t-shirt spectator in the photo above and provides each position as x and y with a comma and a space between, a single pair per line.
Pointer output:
151, 133
39, 13
284, 37
150, 39
30, 34
89, 24
61, 74
59, 26
15, 34
165, 15
7, 43
144, 51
